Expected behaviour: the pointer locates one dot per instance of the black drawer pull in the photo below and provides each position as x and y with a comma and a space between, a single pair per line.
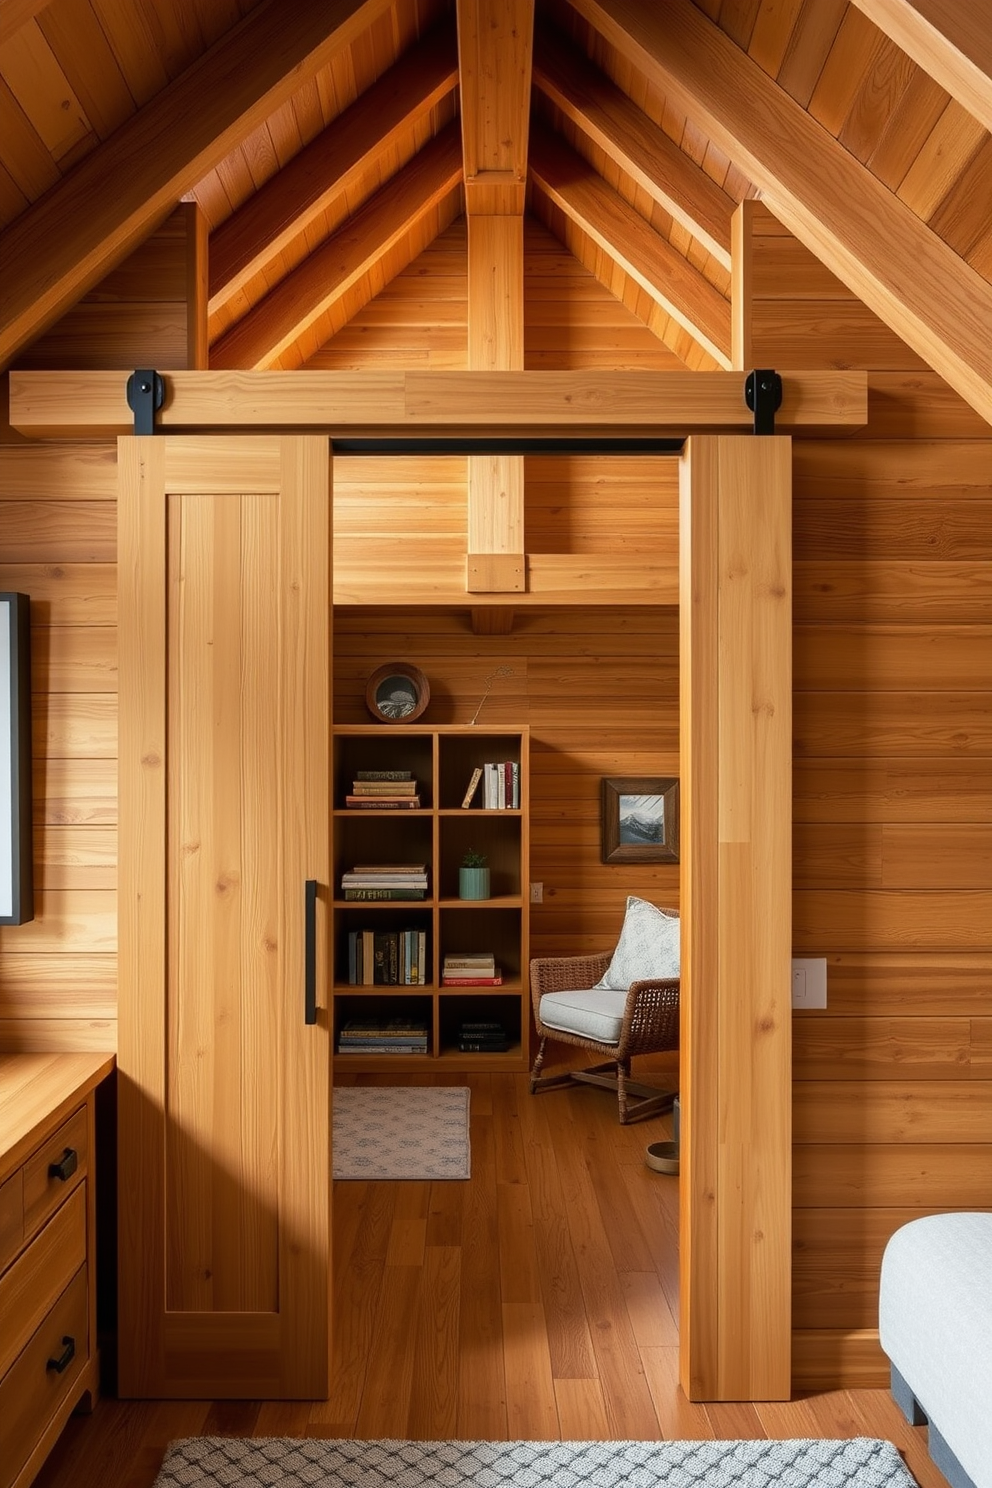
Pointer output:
65, 1358
65, 1167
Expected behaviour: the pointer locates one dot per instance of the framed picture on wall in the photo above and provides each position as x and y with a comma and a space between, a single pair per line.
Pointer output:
16, 883
640, 819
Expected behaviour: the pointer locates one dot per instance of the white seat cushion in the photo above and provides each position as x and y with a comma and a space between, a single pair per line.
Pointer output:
593, 1012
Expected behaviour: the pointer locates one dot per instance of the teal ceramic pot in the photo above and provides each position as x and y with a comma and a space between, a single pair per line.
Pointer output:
473, 883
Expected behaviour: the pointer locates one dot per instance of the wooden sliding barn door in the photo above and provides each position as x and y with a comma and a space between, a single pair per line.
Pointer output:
224, 1143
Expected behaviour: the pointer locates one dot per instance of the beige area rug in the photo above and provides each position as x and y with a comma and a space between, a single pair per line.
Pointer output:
282, 1462
401, 1131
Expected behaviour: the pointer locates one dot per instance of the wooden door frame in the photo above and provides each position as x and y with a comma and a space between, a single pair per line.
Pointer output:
735, 1223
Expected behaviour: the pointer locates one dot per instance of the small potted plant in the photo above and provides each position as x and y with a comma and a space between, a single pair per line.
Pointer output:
473, 876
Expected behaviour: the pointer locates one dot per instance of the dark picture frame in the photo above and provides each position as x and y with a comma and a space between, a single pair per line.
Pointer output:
16, 856
397, 693
640, 819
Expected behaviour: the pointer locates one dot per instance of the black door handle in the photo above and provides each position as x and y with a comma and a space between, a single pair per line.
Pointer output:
65, 1358
310, 953
65, 1167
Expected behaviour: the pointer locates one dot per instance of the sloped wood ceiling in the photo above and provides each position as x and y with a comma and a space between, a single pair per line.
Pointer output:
324, 148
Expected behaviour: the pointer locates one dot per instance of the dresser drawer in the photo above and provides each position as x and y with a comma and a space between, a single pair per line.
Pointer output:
39, 1276
33, 1388
54, 1170
11, 1217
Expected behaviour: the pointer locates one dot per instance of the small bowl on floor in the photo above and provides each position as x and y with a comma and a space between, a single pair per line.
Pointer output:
663, 1157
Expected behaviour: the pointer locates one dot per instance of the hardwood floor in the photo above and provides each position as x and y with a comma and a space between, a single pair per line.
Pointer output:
537, 1300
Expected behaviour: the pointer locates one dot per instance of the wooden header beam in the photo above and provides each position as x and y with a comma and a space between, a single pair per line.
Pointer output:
46, 405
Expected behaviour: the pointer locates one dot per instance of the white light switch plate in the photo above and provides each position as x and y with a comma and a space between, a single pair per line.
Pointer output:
809, 982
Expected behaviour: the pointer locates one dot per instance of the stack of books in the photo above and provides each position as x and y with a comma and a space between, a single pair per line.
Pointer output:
482, 1037
388, 958
383, 790
383, 1036
470, 969
385, 881
500, 781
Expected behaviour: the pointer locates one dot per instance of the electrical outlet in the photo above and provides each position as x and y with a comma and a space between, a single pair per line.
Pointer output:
809, 982
537, 893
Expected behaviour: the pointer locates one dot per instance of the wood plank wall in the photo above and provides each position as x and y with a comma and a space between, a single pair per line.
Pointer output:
58, 974
892, 806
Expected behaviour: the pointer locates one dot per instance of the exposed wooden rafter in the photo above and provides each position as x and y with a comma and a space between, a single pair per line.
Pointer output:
671, 281
120, 191
642, 149
330, 165
949, 39
270, 327
865, 235
495, 45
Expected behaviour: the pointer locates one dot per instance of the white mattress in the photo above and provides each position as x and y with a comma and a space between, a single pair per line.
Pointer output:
935, 1324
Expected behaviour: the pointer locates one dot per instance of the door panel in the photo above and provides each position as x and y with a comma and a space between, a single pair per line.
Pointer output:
225, 728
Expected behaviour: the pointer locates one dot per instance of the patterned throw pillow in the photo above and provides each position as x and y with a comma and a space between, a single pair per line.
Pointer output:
648, 947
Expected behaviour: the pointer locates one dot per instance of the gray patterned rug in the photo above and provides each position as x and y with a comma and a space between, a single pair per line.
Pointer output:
401, 1131
282, 1462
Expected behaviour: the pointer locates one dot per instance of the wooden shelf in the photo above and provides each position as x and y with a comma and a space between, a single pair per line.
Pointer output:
439, 833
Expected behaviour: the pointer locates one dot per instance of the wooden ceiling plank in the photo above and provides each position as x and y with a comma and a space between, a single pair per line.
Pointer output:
949, 39
867, 237
42, 89
910, 126
495, 47
851, 60
592, 102
809, 47
16, 13
331, 164
267, 330
952, 143
573, 185
82, 51
159, 154
29, 163
772, 32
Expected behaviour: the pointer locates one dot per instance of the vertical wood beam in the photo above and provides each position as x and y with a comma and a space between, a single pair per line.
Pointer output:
736, 763
495, 53
741, 285
495, 344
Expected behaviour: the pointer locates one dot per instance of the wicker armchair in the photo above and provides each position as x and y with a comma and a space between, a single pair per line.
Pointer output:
649, 1025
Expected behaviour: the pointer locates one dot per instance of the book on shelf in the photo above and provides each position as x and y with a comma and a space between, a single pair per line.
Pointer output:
384, 788
410, 879
392, 958
472, 787
484, 1046
383, 775
470, 963
482, 1036
400, 1035
389, 868
448, 980
501, 785
370, 894
381, 803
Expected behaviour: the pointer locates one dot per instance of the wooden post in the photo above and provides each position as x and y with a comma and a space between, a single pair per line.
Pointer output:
736, 758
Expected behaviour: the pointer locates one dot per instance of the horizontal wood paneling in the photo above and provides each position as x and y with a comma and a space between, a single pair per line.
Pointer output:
892, 807
891, 855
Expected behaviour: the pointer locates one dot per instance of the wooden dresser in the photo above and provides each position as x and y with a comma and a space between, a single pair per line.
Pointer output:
48, 1356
